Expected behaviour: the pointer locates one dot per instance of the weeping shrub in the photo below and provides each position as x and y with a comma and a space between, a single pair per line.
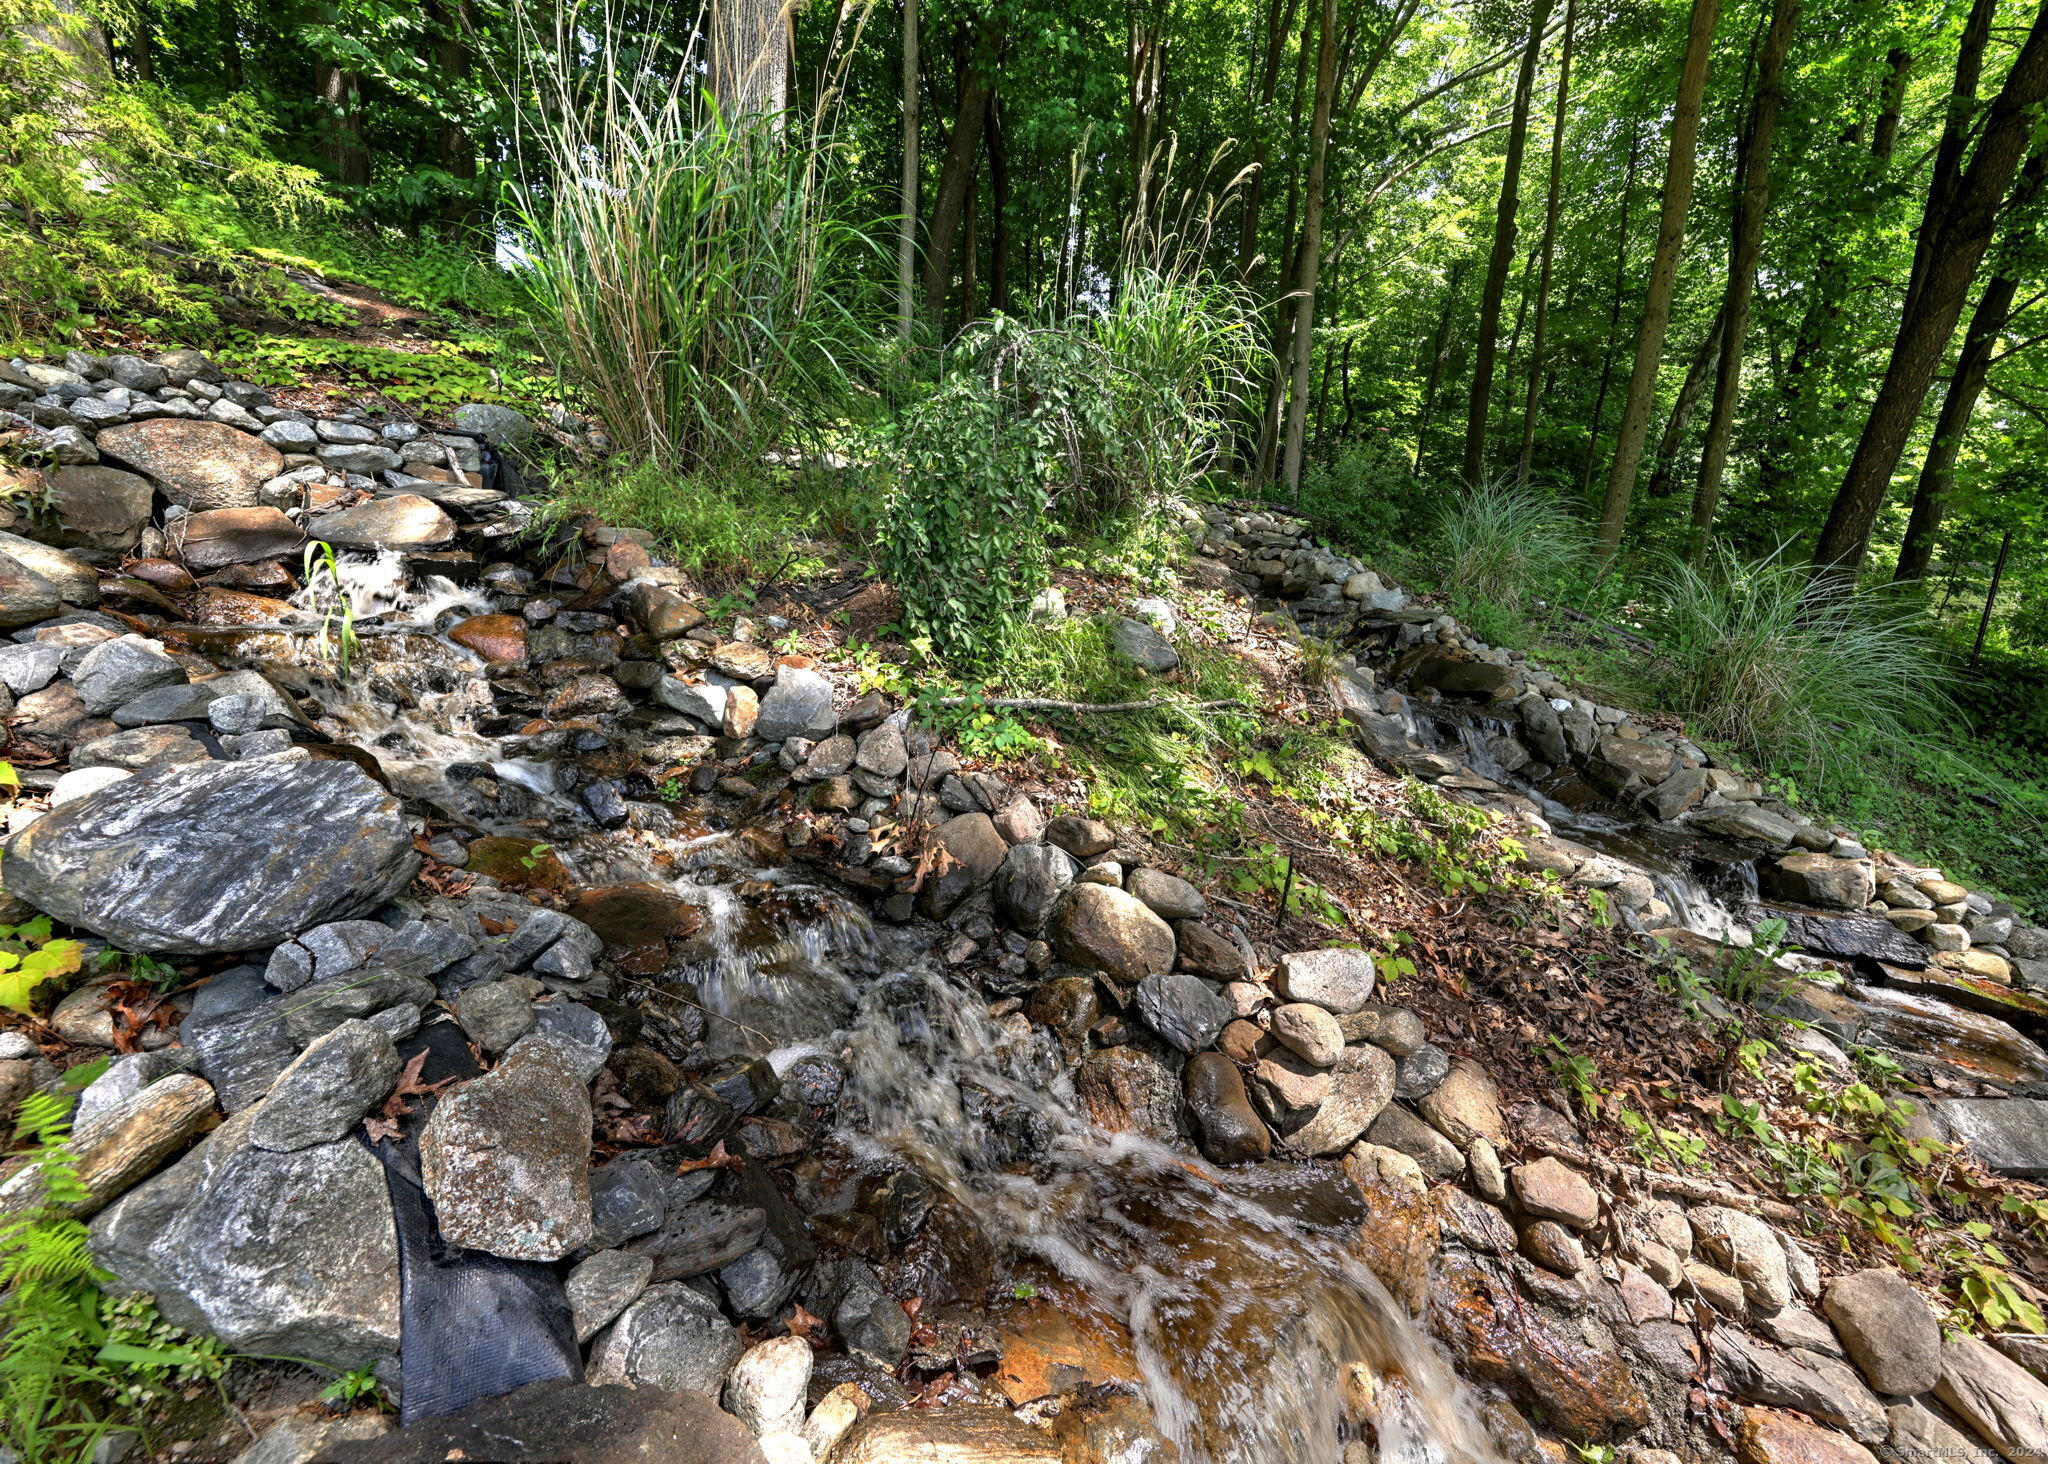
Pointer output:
1498, 548
692, 276
1798, 682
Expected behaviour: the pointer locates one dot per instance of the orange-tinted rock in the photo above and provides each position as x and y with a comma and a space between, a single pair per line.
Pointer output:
395, 521
498, 638
1766, 1436
971, 1434
1402, 1234
626, 560
264, 575
631, 916
1497, 1336
515, 862
211, 606
196, 463
1047, 1351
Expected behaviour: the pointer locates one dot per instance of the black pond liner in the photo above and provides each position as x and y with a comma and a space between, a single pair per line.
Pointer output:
471, 1325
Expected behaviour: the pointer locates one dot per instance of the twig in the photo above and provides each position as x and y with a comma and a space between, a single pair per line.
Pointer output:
1049, 704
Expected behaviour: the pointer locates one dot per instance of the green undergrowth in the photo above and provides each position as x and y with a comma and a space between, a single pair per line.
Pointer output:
725, 523
432, 376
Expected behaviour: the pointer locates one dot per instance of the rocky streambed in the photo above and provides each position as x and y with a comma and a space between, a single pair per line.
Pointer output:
629, 1042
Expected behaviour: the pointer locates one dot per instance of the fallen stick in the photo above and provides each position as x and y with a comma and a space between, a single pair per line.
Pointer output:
1049, 704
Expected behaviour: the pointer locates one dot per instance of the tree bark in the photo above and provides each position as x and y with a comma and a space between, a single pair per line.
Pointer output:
1745, 248
1279, 25
1959, 240
963, 150
1991, 596
749, 60
1628, 191
1147, 56
1678, 178
228, 33
1697, 375
1502, 257
1552, 196
1956, 128
999, 206
906, 222
1311, 242
341, 125
141, 42
1439, 356
448, 25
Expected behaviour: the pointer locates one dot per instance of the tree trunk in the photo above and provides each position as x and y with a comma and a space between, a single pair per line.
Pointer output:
341, 125
1503, 255
1966, 383
1956, 129
1628, 191
749, 60
1752, 204
1697, 375
1552, 195
1267, 462
1439, 355
1311, 243
1642, 382
906, 222
963, 149
1991, 595
1279, 25
970, 248
228, 32
1960, 238
999, 206
141, 46
448, 26
1147, 55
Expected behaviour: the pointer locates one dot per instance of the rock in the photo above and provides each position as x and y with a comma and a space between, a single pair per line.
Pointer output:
1287, 1090
1337, 980
702, 1237
1887, 1330
1311, 1031
881, 752
1620, 762
140, 747
291, 1254
495, 1015
1396, 1029
961, 1434
223, 536
1227, 1128
2003, 1403
1401, 1131
121, 669
971, 851
1030, 884
1717, 1288
575, 1028
1181, 1009
671, 1337
766, 1390
1744, 823
799, 704
499, 426
1817, 1386
1084, 838
319, 1008
299, 1438
1361, 1086
1466, 1106
1142, 646
1585, 1393
1103, 929
499, 639
216, 856
327, 1090
197, 464
1125, 1090
604, 1285
1766, 1436
120, 1147
1462, 677
1823, 880
1551, 1190
1748, 1249
1554, 1248
1206, 951
548, 1423
704, 700
505, 1157
1916, 1433
1165, 895
25, 596
396, 521
101, 508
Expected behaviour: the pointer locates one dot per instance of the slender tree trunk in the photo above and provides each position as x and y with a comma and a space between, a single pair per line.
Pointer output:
907, 203
448, 25
141, 46
1549, 247
1439, 356
1522, 302
999, 207
1279, 25
1628, 191
1664, 464
970, 249
749, 57
1147, 57
1350, 407
1956, 130
1991, 595
1959, 240
1752, 205
1503, 255
341, 125
228, 33
963, 150
1678, 177
1311, 243
1283, 317
1966, 382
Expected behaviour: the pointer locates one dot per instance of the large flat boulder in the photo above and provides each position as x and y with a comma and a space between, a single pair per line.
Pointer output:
213, 857
223, 536
198, 464
100, 507
399, 521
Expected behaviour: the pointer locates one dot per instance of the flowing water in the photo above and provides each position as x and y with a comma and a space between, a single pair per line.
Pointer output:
1257, 1333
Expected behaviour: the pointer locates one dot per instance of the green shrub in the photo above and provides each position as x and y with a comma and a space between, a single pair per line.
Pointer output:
1498, 548
1798, 682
